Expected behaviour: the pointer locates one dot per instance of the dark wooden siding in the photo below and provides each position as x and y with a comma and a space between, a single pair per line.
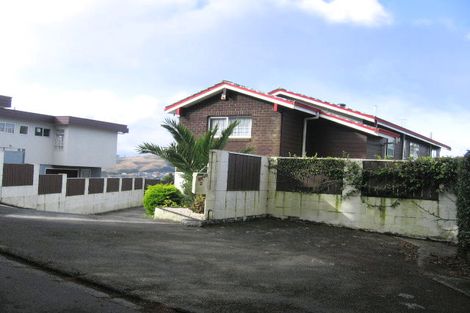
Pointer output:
243, 172
17, 175
126, 184
95, 185
112, 185
75, 187
328, 139
49, 184
266, 124
138, 183
292, 132
375, 147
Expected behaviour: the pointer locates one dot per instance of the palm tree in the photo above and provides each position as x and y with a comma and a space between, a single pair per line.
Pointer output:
188, 153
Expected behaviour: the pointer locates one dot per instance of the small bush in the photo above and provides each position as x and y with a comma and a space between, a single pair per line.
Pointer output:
161, 195
198, 204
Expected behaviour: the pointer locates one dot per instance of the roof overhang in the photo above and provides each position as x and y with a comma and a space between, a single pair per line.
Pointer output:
411, 133
375, 131
322, 104
209, 92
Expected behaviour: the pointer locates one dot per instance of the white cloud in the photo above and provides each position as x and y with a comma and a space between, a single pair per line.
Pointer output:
361, 12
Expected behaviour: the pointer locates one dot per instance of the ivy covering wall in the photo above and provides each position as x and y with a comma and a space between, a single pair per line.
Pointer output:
422, 178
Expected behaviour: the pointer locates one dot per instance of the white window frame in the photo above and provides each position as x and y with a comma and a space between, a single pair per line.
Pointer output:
228, 120
7, 127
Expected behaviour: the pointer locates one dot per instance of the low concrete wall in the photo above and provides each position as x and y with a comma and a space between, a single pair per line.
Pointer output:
28, 197
409, 217
176, 214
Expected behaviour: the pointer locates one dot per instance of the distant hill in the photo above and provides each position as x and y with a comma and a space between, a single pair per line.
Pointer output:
145, 165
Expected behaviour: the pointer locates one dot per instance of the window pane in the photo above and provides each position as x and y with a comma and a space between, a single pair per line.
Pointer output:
23, 130
46, 132
38, 131
2, 127
243, 128
221, 124
9, 128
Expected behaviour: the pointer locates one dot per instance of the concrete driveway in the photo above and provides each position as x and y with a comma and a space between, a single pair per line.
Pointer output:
258, 266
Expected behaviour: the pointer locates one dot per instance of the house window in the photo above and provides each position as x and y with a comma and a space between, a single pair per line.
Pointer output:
39, 131
435, 153
7, 127
24, 130
390, 149
59, 139
414, 150
242, 130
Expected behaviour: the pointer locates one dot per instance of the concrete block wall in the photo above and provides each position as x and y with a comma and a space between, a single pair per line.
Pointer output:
223, 204
409, 217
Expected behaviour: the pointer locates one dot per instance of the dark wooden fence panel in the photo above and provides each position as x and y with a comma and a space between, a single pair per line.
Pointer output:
112, 185
126, 184
138, 183
151, 182
373, 186
17, 175
243, 172
75, 187
49, 184
95, 185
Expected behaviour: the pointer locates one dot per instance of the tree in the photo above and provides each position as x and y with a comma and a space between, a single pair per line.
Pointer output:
188, 153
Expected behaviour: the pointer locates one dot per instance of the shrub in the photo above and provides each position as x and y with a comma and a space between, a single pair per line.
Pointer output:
161, 195
198, 204
463, 207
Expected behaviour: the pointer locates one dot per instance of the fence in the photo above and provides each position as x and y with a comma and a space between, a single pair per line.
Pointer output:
422, 213
17, 174
243, 172
24, 187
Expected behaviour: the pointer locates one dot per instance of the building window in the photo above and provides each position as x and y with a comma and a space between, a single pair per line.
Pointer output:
390, 149
414, 150
242, 130
7, 127
39, 131
435, 153
24, 130
59, 139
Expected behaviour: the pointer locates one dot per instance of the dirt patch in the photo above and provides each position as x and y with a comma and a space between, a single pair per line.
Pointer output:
452, 265
409, 250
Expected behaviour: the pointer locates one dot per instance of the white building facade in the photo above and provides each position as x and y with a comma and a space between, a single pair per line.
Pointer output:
74, 146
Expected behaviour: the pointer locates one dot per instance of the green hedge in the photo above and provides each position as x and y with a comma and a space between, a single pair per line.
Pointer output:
161, 195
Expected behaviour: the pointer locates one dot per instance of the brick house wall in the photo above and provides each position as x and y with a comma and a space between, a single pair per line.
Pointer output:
266, 124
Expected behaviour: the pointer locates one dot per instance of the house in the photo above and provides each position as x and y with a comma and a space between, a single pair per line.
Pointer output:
283, 123
74, 146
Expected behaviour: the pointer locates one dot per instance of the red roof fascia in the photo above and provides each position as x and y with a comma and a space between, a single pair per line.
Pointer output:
321, 101
405, 130
208, 90
374, 129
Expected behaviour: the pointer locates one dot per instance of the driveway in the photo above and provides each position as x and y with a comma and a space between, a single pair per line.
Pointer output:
259, 266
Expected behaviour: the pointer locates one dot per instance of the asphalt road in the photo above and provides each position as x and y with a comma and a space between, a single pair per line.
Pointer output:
259, 266
24, 289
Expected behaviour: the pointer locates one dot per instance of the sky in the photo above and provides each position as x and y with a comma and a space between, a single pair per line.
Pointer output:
123, 61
